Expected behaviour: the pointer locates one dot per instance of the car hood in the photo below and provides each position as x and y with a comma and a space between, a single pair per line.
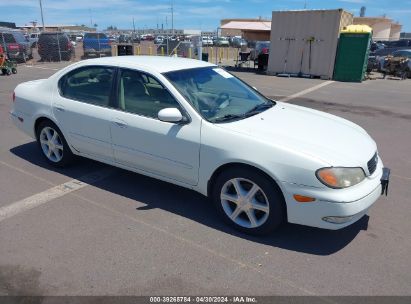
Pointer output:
325, 137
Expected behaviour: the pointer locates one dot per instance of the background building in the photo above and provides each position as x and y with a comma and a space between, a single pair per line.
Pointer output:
56, 28
249, 29
383, 28
405, 35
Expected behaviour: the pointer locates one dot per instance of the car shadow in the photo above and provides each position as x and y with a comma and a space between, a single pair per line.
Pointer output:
192, 205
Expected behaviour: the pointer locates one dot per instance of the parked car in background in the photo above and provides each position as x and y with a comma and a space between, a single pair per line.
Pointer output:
405, 53
257, 48
193, 124
376, 46
135, 38
124, 38
206, 41
73, 40
392, 46
147, 37
96, 45
16, 46
159, 40
238, 42
222, 41
33, 38
55, 46
112, 38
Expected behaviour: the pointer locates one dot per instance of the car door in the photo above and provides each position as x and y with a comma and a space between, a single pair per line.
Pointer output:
141, 141
82, 107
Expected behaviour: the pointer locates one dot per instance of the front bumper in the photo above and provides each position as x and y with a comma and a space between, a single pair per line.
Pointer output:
334, 208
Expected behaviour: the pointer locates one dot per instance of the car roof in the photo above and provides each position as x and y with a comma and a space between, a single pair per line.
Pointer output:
159, 64
403, 50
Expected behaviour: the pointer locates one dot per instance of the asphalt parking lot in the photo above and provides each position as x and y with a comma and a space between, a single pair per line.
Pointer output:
126, 234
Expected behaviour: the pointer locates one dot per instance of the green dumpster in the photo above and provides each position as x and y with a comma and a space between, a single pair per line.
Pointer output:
352, 55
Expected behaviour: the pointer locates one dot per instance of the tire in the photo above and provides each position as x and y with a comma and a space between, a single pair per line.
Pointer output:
23, 58
60, 154
262, 214
14, 70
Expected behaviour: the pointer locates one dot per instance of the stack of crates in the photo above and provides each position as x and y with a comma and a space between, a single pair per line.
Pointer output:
352, 55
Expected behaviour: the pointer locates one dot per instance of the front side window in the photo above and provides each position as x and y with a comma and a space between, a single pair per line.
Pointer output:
91, 85
141, 94
217, 95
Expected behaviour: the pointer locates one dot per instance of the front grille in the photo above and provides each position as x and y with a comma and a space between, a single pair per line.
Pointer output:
372, 164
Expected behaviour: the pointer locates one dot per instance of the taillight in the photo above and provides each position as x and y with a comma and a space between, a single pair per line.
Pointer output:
13, 46
38, 46
69, 45
14, 96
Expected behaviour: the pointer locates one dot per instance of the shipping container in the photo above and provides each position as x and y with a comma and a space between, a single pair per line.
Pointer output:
305, 42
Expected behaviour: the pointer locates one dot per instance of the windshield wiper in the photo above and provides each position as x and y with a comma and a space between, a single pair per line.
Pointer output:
228, 117
259, 108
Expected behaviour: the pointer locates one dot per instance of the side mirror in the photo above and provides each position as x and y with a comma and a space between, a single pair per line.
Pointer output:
170, 115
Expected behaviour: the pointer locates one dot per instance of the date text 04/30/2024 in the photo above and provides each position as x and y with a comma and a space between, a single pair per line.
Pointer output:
203, 299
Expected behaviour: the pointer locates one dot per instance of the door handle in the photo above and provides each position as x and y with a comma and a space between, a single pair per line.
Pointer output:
120, 123
59, 108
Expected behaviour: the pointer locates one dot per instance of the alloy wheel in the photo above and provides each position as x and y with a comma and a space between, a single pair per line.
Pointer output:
51, 144
244, 202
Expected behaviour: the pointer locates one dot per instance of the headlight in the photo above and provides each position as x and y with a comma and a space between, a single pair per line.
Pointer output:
340, 177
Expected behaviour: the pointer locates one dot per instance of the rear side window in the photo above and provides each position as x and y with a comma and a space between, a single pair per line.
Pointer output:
90, 85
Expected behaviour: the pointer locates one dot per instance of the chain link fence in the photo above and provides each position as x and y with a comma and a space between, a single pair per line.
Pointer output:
60, 47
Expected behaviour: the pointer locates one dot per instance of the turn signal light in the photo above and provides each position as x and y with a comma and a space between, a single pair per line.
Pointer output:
303, 199
328, 177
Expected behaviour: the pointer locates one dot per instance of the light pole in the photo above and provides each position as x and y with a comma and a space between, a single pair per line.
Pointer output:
172, 17
42, 18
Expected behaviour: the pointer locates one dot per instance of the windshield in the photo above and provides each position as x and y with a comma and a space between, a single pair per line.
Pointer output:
217, 95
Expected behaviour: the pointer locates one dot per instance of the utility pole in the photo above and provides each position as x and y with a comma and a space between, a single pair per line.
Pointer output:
172, 16
91, 19
42, 17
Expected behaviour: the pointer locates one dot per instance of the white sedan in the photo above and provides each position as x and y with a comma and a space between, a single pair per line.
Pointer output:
195, 125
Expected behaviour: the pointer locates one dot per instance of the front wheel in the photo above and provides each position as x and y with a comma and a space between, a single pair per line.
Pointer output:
53, 145
249, 201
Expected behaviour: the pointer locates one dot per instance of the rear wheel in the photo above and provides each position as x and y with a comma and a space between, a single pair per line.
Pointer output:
24, 57
53, 145
248, 200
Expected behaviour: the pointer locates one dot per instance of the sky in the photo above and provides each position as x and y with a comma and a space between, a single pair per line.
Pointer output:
188, 14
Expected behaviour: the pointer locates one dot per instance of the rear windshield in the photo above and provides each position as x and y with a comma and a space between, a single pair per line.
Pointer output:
53, 37
95, 36
19, 37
